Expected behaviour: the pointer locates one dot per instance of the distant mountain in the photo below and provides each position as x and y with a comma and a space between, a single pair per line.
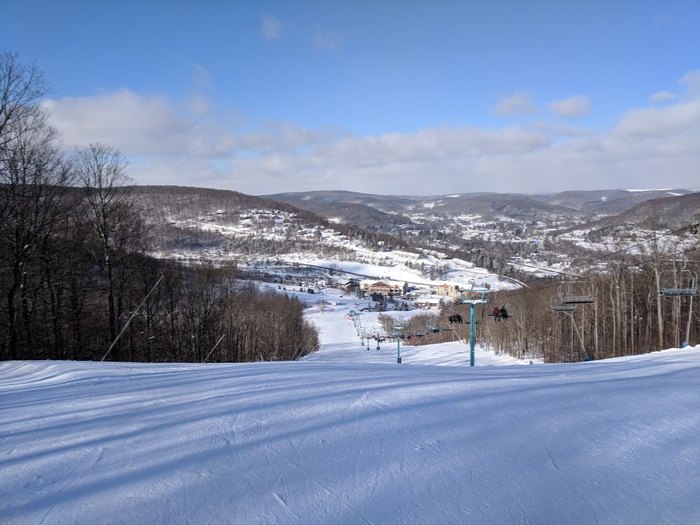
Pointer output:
191, 201
348, 206
385, 203
502, 206
400, 211
669, 213
606, 202
221, 223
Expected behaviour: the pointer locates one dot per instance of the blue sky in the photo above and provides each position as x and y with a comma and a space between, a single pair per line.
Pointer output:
380, 96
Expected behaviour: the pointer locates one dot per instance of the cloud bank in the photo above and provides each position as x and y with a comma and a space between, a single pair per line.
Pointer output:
187, 143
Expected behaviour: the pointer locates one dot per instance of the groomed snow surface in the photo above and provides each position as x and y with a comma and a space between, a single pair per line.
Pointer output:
348, 436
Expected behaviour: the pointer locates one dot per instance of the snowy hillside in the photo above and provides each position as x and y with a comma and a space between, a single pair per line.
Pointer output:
281, 244
462, 239
349, 436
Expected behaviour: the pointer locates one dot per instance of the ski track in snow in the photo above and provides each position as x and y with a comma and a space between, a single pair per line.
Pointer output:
348, 436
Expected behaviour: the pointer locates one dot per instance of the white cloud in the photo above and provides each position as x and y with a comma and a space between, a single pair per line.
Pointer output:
430, 145
134, 123
660, 122
691, 81
662, 96
270, 27
517, 104
572, 107
184, 143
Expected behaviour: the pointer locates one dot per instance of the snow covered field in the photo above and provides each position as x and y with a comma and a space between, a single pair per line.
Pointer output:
348, 436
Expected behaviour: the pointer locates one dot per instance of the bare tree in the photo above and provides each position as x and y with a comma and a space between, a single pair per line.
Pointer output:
33, 179
115, 229
21, 88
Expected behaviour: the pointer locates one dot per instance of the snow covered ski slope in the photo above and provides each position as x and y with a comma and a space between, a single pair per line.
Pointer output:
348, 436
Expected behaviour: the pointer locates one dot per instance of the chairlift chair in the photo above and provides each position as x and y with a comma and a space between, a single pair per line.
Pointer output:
575, 293
681, 283
558, 305
563, 308
475, 296
576, 299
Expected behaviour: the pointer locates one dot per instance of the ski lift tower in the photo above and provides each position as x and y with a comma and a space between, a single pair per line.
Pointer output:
472, 298
398, 330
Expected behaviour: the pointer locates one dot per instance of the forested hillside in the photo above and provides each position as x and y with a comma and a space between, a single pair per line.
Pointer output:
75, 274
635, 298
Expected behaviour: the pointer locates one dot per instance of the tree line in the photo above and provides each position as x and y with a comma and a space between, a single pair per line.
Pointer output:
626, 315
74, 269
619, 309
